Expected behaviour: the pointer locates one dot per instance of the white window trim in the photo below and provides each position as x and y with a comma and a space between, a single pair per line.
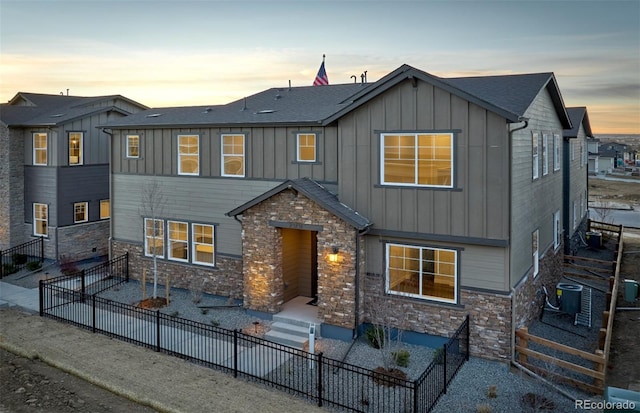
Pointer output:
101, 202
46, 148
190, 154
424, 297
556, 152
535, 155
80, 149
556, 230
128, 146
35, 227
146, 239
415, 184
170, 240
315, 148
195, 243
86, 212
545, 154
223, 156
535, 240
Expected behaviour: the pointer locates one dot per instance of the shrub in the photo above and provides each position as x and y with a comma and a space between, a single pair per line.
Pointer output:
401, 357
19, 259
438, 355
492, 392
375, 335
34, 265
483, 408
9, 268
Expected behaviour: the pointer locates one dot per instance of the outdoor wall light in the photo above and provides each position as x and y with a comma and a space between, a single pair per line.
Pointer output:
333, 256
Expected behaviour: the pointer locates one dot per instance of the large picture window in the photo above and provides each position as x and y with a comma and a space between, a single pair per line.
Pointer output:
233, 155
178, 241
80, 212
188, 154
41, 220
75, 148
133, 146
306, 147
203, 248
417, 159
422, 272
39, 148
154, 237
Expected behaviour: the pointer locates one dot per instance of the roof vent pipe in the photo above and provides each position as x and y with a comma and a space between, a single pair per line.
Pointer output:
365, 76
245, 105
355, 79
362, 77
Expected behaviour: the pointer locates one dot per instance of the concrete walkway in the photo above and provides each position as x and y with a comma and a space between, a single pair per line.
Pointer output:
163, 382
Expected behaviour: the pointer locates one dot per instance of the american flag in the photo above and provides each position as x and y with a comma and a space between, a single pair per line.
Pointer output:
321, 77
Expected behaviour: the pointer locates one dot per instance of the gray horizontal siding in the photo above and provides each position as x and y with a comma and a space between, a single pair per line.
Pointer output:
40, 187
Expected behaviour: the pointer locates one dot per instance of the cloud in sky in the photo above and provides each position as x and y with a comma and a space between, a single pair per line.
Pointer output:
166, 53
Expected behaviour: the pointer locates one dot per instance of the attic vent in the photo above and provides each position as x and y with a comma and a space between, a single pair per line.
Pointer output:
262, 112
57, 115
154, 115
207, 110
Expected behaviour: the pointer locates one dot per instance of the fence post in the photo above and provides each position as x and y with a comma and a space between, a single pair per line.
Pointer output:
415, 395
1, 264
126, 264
599, 367
235, 353
444, 368
93, 302
41, 249
468, 337
158, 330
524, 343
41, 297
82, 286
320, 387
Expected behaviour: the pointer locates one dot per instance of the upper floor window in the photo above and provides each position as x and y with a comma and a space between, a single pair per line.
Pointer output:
422, 272
39, 148
203, 247
233, 153
188, 154
154, 237
545, 154
105, 209
534, 155
40, 219
306, 147
133, 146
557, 230
417, 159
178, 241
80, 212
556, 152
75, 148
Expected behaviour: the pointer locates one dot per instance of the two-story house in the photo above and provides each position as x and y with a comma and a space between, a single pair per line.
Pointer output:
54, 171
439, 197
575, 169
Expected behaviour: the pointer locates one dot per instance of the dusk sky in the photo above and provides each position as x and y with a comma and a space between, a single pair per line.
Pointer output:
181, 53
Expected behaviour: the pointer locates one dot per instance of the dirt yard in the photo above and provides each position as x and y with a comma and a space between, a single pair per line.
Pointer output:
624, 361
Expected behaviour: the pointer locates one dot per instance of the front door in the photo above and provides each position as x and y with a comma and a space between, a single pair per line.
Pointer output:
299, 263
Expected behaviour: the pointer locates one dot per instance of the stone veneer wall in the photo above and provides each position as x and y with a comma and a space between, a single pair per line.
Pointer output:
224, 280
11, 188
489, 313
262, 257
529, 299
77, 242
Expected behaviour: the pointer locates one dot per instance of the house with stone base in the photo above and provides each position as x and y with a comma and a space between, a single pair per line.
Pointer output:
54, 172
435, 198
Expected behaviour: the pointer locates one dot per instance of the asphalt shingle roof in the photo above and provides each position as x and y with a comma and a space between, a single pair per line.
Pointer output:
578, 116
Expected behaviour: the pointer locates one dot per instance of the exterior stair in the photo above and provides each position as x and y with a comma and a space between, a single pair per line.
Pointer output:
289, 332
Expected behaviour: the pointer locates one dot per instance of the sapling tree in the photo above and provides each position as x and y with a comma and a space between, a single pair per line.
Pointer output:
152, 207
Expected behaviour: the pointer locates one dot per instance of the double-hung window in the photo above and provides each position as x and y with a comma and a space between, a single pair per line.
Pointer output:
203, 244
75, 148
39, 148
105, 209
534, 155
178, 240
133, 146
306, 147
188, 155
154, 237
80, 212
422, 272
233, 155
556, 152
545, 154
417, 159
40, 219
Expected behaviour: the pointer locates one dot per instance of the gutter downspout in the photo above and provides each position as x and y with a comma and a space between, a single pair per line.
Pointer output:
110, 194
356, 320
513, 290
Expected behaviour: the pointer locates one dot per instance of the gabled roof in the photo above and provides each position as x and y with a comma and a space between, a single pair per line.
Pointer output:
509, 96
578, 116
36, 109
317, 193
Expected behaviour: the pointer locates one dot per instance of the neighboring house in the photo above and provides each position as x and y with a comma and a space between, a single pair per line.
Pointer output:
575, 172
615, 155
441, 197
55, 171
594, 158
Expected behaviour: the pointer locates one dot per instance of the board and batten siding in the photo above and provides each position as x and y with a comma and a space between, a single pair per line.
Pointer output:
479, 266
199, 200
270, 152
476, 207
88, 183
533, 201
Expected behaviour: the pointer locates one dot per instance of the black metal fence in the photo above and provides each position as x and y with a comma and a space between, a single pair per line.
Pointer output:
311, 376
29, 254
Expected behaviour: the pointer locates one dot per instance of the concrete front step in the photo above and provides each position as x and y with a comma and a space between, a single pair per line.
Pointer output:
290, 332
292, 329
286, 339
